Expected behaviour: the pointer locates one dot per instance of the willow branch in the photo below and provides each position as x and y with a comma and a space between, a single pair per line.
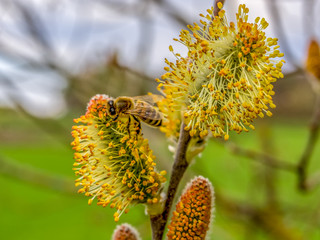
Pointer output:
114, 62
172, 12
269, 174
34, 176
53, 127
263, 158
264, 217
303, 183
158, 222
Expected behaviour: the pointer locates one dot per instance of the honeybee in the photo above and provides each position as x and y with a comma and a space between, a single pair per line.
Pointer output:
141, 108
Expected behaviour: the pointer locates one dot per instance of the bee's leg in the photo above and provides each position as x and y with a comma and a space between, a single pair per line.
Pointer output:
132, 125
139, 123
129, 125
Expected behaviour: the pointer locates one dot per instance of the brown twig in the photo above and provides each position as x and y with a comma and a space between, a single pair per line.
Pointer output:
303, 183
269, 174
51, 126
264, 217
263, 158
37, 177
172, 12
133, 71
158, 222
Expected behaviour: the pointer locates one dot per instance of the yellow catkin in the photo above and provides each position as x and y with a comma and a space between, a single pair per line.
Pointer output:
313, 59
114, 164
225, 82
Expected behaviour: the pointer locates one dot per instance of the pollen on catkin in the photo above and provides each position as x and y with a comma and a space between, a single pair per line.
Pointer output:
194, 211
114, 162
225, 81
125, 232
313, 59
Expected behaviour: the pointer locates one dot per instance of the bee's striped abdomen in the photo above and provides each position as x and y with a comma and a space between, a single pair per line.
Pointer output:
151, 122
147, 114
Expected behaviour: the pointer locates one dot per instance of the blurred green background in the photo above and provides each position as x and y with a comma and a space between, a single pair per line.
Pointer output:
33, 206
55, 55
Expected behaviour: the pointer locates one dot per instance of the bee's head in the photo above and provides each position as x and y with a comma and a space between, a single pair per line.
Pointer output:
111, 109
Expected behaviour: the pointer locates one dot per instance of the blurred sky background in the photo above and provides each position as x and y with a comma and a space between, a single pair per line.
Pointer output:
41, 40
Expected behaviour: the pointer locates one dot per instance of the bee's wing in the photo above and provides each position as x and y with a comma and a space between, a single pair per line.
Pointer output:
145, 110
151, 99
